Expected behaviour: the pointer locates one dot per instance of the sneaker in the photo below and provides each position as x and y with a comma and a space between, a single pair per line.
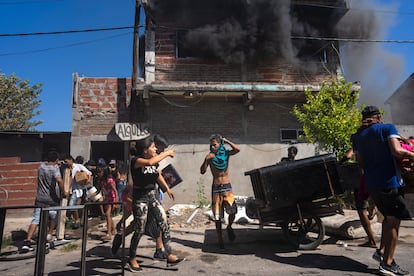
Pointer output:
76, 225
49, 237
159, 254
377, 256
392, 270
116, 244
27, 246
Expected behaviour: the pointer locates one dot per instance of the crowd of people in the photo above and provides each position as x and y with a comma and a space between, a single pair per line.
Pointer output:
140, 184
108, 182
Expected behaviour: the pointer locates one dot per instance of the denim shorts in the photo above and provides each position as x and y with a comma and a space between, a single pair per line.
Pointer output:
36, 215
73, 200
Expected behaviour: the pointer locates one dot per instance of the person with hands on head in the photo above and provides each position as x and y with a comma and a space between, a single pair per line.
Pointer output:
145, 174
222, 194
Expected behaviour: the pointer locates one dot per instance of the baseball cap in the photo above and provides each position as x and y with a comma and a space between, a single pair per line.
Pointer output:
370, 111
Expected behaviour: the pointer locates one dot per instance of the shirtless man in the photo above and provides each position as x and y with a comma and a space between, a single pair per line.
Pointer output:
222, 194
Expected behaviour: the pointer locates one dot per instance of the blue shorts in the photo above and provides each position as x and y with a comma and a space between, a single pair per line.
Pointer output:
36, 216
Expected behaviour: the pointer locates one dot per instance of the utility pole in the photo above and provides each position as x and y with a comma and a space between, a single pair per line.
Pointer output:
137, 108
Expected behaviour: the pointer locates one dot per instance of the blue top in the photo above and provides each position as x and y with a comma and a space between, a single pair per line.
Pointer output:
221, 158
380, 168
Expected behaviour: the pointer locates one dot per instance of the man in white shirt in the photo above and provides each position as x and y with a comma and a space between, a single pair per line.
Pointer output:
76, 191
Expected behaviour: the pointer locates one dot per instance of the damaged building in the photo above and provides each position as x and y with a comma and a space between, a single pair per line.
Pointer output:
222, 66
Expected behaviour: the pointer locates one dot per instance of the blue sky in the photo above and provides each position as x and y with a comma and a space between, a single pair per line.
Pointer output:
51, 59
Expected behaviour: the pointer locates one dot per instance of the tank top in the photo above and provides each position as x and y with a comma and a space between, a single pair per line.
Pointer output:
144, 178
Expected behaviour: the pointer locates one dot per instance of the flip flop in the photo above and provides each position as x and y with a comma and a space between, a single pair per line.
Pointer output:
368, 244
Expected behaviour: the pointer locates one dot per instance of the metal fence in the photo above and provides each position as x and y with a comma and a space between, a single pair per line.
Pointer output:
42, 232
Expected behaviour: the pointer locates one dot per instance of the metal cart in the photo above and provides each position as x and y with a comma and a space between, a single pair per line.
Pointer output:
295, 195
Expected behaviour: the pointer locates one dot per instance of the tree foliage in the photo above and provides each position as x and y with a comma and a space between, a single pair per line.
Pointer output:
18, 103
330, 116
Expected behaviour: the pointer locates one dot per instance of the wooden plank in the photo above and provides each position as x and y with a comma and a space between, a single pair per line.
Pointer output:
60, 229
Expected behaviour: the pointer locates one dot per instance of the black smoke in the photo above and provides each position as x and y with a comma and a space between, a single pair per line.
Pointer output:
239, 31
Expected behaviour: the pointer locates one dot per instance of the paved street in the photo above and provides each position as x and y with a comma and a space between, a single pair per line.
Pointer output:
254, 252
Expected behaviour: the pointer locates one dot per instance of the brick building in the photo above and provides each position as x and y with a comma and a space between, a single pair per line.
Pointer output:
213, 67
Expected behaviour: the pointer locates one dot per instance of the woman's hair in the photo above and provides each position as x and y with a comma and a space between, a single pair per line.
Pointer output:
142, 145
103, 169
121, 168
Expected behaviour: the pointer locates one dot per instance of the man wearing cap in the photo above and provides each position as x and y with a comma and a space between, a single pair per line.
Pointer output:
376, 146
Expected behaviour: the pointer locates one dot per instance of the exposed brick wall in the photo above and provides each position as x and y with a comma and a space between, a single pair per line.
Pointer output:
100, 103
18, 182
170, 68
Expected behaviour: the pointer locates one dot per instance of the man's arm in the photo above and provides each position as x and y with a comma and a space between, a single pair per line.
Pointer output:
59, 180
234, 148
206, 163
397, 151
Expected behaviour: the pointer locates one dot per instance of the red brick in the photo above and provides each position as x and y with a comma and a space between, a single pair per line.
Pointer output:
26, 186
93, 105
19, 173
7, 160
88, 80
19, 166
19, 202
106, 105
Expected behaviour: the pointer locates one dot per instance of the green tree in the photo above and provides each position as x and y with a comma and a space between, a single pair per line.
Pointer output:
18, 103
330, 116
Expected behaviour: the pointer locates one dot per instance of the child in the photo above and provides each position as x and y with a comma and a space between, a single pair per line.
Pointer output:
107, 182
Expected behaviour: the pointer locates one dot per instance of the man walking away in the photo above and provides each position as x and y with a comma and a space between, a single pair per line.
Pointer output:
376, 146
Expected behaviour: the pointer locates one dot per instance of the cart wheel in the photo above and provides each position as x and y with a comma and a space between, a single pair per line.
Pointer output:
306, 236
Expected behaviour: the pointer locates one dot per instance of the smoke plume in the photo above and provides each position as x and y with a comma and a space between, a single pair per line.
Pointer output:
378, 70
257, 31
240, 30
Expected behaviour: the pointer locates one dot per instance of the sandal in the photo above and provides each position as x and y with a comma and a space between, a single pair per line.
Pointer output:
368, 244
175, 262
107, 237
133, 268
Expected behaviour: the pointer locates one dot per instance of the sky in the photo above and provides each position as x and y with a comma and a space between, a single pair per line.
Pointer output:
51, 60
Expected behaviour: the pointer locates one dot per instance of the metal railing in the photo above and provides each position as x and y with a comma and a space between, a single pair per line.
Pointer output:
43, 229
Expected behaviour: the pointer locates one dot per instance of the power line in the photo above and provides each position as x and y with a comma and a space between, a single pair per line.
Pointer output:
28, 2
71, 31
63, 46
354, 39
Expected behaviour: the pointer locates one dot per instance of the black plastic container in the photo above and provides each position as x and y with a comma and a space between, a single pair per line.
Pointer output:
288, 183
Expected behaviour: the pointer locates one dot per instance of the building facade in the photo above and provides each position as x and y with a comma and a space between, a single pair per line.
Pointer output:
212, 67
